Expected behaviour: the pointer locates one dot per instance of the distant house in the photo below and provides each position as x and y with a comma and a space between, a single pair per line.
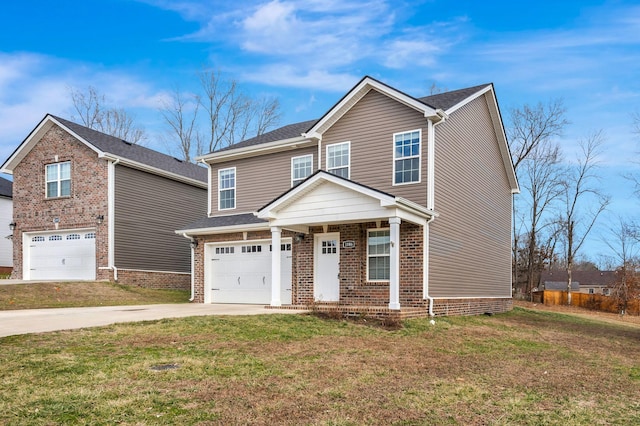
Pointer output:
387, 203
590, 282
91, 206
6, 218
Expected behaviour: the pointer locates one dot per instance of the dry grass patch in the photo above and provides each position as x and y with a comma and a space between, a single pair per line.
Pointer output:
524, 367
79, 294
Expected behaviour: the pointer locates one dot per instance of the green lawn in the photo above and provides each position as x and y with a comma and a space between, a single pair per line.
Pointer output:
78, 294
523, 367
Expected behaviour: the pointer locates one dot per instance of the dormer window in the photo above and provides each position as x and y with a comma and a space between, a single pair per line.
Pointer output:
58, 180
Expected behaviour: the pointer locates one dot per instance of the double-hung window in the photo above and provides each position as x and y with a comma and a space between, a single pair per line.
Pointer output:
378, 255
301, 168
227, 189
58, 179
406, 157
339, 159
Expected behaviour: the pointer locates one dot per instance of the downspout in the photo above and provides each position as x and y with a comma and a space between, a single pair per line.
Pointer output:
193, 263
208, 186
426, 266
111, 226
431, 148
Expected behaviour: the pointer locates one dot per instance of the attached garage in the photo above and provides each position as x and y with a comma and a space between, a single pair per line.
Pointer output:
240, 272
60, 255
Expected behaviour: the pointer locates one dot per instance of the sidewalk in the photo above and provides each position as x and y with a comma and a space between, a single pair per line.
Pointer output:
44, 320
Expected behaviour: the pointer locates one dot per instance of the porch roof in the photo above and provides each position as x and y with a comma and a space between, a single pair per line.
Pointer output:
324, 199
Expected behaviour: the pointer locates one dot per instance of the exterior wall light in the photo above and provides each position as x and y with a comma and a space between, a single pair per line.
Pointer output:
100, 219
12, 226
193, 244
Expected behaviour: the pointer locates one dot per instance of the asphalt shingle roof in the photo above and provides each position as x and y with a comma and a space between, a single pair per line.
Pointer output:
442, 101
137, 153
217, 221
6, 188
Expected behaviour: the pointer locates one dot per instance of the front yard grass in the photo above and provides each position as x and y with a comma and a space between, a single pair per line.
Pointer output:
524, 367
80, 294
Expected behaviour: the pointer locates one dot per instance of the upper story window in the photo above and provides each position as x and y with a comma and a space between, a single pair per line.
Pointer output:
301, 168
58, 177
339, 159
227, 189
378, 255
406, 157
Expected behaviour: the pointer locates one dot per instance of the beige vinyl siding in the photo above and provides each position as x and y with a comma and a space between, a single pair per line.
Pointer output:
258, 179
470, 241
148, 209
370, 126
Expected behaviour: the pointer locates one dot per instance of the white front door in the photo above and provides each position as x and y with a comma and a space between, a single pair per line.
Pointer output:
326, 286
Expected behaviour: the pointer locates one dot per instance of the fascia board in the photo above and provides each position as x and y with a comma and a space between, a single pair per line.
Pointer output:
153, 170
260, 149
34, 137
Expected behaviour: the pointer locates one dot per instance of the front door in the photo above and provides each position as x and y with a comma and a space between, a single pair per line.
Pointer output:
326, 287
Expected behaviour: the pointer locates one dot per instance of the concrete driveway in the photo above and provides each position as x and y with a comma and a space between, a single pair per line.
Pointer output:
42, 320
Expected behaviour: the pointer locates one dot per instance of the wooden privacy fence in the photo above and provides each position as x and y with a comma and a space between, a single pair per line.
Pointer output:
596, 302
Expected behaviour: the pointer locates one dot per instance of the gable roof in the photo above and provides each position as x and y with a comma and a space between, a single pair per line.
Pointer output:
436, 106
6, 188
584, 278
107, 146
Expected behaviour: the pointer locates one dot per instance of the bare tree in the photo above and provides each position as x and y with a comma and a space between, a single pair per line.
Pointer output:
530, 127
233, 116
623, 242
224, 116
181, 116
93, 112
580, 191
541, 178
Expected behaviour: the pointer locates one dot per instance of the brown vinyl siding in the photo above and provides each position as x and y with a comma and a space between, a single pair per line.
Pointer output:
370, 126
258, 179
148, 209
470, 241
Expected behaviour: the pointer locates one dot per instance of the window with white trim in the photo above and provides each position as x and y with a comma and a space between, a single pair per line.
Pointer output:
406, 157
378, 255
301, 168
227, 189
339, 159
58, 179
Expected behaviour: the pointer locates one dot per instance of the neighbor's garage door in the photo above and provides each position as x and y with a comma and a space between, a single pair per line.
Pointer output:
241, 273
67, 255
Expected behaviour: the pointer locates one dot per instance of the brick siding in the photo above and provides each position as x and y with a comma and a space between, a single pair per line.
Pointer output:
33, 212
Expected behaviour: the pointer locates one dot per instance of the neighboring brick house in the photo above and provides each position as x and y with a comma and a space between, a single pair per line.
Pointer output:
387, 205
91, 206
6, 219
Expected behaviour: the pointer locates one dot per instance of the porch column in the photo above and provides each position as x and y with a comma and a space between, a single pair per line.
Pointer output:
394, 260
276, 234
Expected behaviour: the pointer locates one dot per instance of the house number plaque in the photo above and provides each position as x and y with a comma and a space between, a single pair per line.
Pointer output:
348, 244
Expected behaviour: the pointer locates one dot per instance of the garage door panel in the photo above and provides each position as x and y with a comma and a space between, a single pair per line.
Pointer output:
64, 255
241, 273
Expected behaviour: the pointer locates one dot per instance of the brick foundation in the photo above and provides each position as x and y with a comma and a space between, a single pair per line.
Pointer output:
455, 307
155, 280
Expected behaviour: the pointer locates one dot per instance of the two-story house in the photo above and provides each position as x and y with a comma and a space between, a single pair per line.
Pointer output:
386, 204
90, 206
6, 220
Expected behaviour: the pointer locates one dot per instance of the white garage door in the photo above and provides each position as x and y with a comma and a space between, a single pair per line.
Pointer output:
241, 272
65, 255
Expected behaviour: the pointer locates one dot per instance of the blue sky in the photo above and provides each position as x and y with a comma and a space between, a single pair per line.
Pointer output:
309, 53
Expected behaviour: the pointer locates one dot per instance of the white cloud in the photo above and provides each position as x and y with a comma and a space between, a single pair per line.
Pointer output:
284, 75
